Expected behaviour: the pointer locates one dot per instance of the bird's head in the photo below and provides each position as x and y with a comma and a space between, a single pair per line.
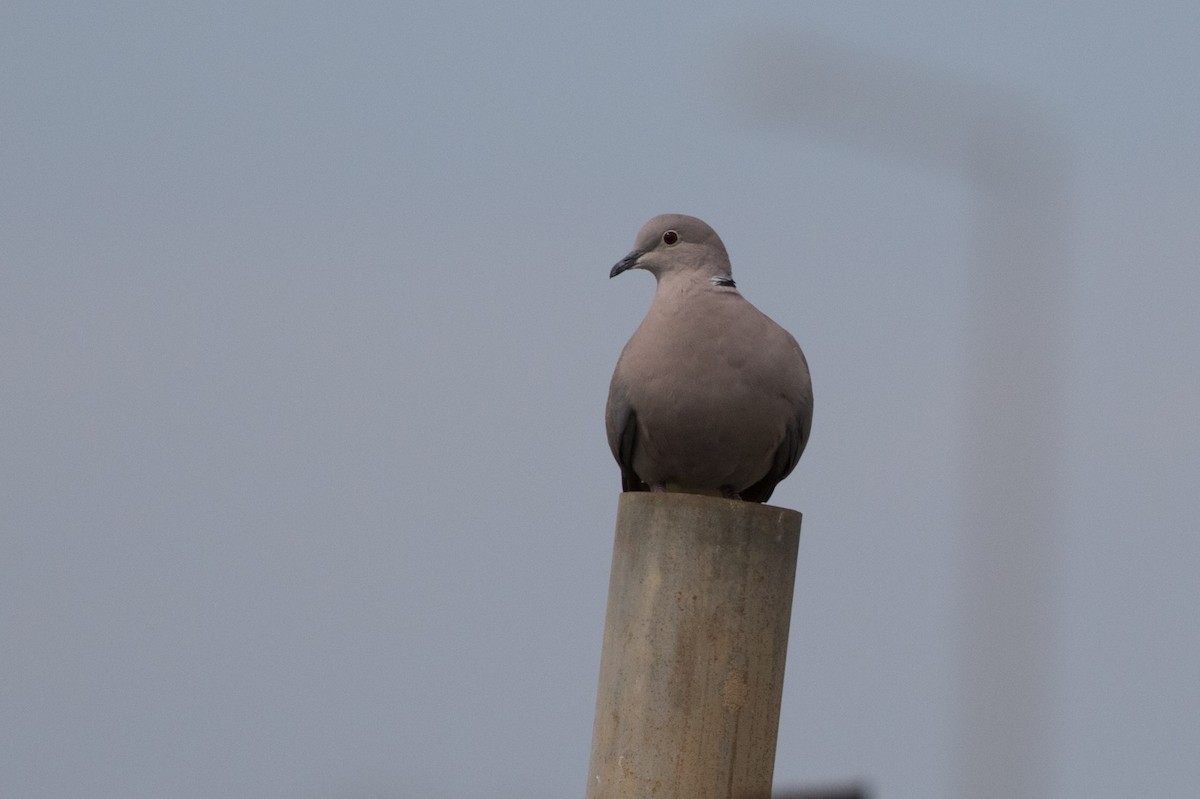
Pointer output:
676, 244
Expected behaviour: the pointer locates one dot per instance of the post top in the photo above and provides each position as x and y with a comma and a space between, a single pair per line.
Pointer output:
699, 505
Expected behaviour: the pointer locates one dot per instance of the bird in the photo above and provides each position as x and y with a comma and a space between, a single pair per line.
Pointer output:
709, 396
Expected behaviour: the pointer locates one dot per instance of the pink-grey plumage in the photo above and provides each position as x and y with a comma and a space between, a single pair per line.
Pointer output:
709, 396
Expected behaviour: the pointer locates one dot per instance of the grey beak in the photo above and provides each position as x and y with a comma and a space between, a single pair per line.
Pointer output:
626, 263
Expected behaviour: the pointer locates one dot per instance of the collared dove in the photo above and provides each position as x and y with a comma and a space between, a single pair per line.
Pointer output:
709, 396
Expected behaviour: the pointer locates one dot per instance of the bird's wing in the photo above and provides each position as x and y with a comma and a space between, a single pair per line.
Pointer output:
621, 422
787, 455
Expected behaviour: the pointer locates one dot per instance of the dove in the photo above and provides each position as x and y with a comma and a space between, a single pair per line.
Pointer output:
709, 396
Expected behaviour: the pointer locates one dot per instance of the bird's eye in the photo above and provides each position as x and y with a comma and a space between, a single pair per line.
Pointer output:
670, 237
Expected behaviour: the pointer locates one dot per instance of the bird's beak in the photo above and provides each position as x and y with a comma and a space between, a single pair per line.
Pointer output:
628, 262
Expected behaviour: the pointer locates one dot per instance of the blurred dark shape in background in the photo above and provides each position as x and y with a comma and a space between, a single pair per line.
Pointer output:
829, 792
1011, 153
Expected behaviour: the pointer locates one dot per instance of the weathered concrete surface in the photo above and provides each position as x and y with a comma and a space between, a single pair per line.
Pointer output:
695, 639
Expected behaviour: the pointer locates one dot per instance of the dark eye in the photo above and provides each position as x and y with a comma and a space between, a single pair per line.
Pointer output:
670, 237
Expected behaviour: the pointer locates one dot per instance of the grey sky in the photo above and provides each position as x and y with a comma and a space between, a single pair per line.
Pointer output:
305, 335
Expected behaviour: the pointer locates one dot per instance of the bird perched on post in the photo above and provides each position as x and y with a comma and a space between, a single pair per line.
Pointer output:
709, 396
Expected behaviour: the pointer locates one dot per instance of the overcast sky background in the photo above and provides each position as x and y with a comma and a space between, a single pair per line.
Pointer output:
305, 336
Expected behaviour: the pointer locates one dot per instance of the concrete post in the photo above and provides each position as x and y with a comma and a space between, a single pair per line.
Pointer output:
691, 671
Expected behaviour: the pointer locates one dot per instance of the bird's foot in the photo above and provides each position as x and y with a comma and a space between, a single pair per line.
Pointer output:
729, 493
658, 488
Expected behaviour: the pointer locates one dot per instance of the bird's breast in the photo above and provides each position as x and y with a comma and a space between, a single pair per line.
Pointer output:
712, 405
